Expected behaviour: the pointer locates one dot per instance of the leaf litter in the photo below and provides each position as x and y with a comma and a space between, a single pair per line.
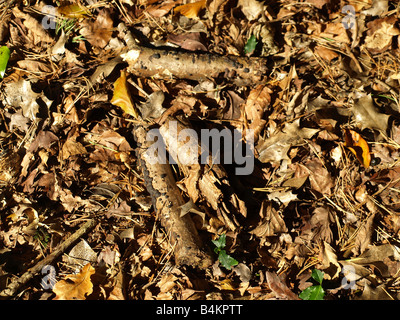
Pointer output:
323, 194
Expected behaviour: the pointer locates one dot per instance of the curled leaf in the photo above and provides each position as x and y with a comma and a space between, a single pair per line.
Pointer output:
191, 10
121, 97
358, 146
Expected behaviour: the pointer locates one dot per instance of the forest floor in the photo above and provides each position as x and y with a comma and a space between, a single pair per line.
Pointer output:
317, 217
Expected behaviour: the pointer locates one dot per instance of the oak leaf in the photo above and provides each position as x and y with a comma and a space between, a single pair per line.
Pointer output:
76, 286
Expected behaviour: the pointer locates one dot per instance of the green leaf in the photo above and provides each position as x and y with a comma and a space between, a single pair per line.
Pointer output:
250, 45
220, 243
4, 57
226, 260
312, 293
317, 275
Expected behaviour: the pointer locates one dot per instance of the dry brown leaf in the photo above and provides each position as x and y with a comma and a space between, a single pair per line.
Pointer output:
99, 32
367, 116
256, 104
380, 34
326, 53
321, 221
72, 147
191, 10
121, 96
329, 261
35, 29
364, 235
272, 223
20, 94
358, 146
320, 178
76, 286
278, 287
161, 9
275, 148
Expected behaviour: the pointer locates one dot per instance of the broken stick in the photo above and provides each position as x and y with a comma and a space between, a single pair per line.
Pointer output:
167, 202
169, 64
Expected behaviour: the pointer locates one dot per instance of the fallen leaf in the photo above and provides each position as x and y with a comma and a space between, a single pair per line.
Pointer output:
367, 116
278, 287
364, 235
122, 98
321, 221
99, 32
275, 148
74, 10
272, 223
256, 105
252, 9
358, 146
320, 178
329, 261
380, 34
20, 94
191, 10
80, 254
76, 286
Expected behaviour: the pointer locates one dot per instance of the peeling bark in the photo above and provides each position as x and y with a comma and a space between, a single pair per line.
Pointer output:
208, 181
167, 200
169, 64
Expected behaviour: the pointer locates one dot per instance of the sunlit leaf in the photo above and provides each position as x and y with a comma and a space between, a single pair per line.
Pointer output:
191, 10
4, 57
121, 96
76, 286
250, 45
317, 275
313, 293
73, 11
358, 146
226, 260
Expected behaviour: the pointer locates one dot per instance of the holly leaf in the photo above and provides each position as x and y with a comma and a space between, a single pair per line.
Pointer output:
317, 275
4, 57
315, 292
312, 293
76, 286
250, 45
226, 260
220, 243
122, 98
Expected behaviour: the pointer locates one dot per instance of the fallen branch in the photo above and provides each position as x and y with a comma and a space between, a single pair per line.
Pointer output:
169, 64
208, 181
167, 202
15, 285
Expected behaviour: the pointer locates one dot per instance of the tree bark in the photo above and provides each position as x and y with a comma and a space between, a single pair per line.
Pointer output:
169, 64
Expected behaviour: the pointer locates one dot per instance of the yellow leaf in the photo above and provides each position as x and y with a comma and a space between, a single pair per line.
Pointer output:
76, 286
121, 97
191, 10
73, 11
358, 146
226, 284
